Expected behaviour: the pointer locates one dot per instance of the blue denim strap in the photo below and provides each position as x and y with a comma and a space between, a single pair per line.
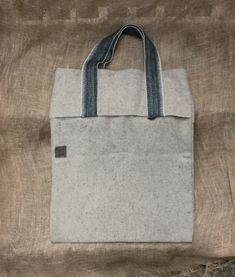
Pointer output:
103, 53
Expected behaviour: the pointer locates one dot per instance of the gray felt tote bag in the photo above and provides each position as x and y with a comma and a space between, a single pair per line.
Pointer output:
122, 150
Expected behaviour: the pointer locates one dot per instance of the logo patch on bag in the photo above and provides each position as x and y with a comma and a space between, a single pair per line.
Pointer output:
60, 152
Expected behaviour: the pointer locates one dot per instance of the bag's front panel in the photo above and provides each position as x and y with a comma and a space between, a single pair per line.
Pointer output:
122, 179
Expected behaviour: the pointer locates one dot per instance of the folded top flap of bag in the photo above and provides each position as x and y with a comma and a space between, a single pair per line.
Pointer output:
121, 93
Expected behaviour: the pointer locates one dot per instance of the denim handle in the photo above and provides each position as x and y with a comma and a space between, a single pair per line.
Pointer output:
103, 54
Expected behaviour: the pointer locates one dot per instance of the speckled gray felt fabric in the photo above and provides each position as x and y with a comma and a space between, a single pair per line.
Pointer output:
125, 178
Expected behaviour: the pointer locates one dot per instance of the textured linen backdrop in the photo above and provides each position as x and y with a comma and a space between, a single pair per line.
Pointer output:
38, 36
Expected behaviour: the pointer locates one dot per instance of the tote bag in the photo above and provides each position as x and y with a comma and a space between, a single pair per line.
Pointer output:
122, 150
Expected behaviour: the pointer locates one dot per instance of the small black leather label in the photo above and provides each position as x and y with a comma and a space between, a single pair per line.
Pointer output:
60, 152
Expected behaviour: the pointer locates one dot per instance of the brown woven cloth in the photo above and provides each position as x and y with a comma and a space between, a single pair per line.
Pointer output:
38, 36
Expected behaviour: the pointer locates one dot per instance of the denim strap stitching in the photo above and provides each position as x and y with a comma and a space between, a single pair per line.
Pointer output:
102, 54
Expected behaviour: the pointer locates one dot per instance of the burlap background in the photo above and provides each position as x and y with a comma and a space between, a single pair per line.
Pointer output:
38, 36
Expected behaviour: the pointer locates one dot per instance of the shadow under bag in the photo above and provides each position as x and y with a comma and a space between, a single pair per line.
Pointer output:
122, 150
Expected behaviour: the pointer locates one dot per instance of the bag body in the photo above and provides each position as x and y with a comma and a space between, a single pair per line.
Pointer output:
122, 150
